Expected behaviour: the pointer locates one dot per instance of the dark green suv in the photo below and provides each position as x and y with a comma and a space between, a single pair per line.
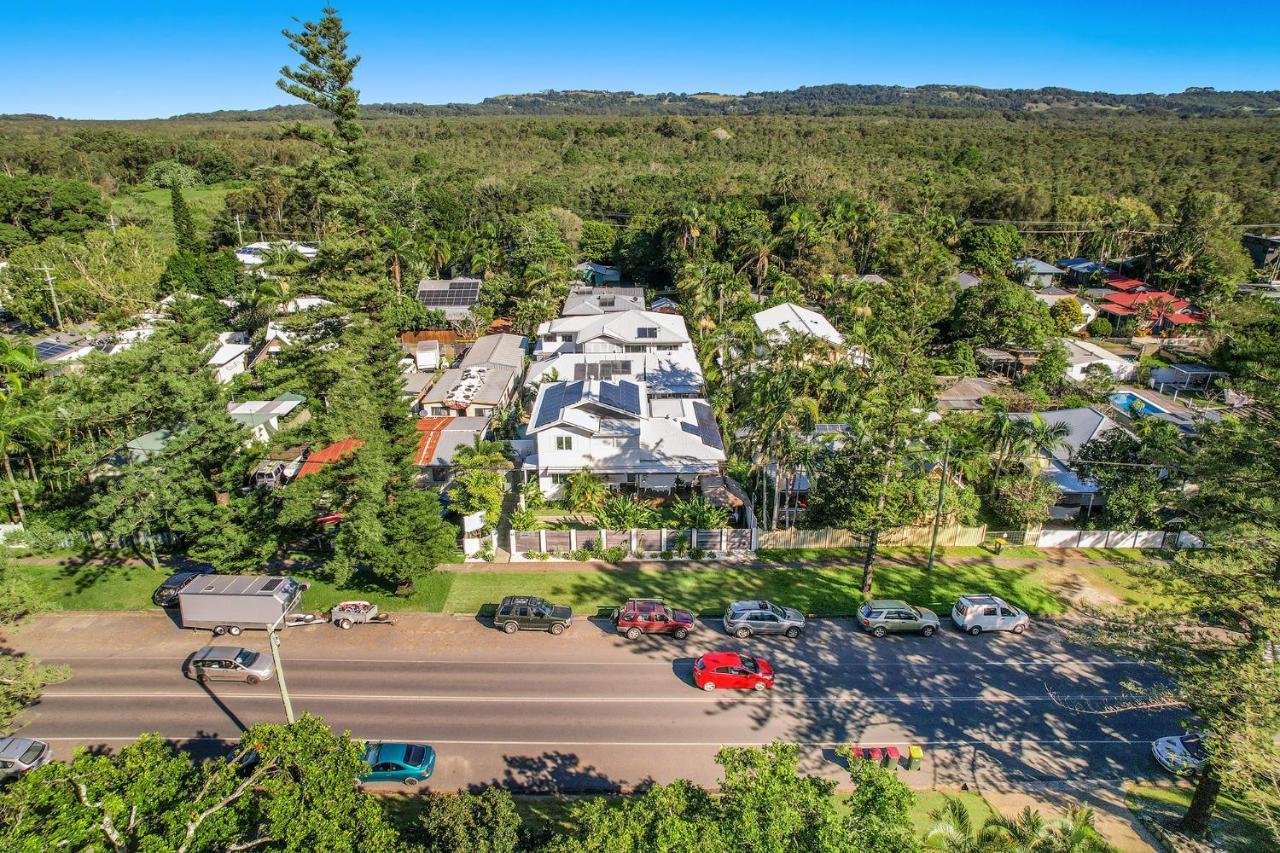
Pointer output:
525, 613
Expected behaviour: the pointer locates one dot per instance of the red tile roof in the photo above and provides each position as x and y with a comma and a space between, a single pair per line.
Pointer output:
328, 455
1181, 319
1168, 301
1120, 282
431, 428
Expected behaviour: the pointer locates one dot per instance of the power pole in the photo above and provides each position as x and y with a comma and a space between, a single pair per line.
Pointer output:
239, 231
111, 222
53, 296
274, 639
937, 512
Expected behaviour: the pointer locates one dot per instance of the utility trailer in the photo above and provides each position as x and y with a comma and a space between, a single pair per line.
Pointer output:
229, 604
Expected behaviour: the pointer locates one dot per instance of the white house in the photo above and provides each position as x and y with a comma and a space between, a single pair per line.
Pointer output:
616, 430
263, 417
473, 392
622, 332
783, 322
594, 301
231, 357
666, 373
255, 254
1081, 354
1053, 295
299, 304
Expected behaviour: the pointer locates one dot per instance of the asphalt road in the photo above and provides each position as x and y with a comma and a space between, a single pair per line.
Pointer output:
592, 711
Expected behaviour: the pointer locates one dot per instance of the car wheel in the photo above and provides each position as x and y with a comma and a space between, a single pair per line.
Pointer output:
253, 679
412, 781
234, 630
709, 686
975, 630
681, 633
742, 633
220, 630
927, 631
759, 686
344, 624
1018, 629
511, 627
557, 628
878, 631
633, 633
793, 632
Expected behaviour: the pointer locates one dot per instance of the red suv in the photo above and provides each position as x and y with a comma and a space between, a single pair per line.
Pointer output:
732, 671
651, 616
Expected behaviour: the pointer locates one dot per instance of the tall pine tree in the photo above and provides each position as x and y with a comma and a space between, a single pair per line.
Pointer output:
184, 227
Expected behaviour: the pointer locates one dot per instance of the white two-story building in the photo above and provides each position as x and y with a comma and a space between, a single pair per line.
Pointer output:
619, 332
620, 433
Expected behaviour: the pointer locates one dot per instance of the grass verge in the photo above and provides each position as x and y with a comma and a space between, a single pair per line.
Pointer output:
1234, 825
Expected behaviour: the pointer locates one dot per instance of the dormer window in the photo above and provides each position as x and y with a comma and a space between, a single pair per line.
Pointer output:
650, 332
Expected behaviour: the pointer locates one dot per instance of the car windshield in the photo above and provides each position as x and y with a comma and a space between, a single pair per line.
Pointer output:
246, 657
1195, 747
777, 611
915, 611
32, 752
750, 665
414, 754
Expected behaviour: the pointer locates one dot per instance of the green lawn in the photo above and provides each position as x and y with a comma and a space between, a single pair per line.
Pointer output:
826, 591
129, 587
1234, 826
152, 206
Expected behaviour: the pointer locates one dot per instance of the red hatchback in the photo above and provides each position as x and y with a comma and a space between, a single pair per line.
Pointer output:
732, 671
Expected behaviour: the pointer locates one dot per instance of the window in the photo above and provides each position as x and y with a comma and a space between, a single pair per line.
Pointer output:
564, 442
647, 332
635, 348
523, 612
560, 479
482, 412
439, 411
988, 611
1004, 611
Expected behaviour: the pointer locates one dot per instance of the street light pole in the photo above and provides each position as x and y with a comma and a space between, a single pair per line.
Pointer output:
274, 639
937, 512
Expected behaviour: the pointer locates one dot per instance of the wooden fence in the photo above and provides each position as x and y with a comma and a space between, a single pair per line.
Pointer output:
897, 537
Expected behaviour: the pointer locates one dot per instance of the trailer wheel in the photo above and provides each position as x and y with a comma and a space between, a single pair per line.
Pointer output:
220, 630
234, 630
344, 624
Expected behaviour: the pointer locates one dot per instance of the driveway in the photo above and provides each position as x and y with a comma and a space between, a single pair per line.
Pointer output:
590, 711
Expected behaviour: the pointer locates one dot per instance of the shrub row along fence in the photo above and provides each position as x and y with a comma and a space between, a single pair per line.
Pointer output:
618, 544
900, 537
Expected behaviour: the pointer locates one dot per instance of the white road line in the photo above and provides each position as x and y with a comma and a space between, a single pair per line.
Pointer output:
664, 663
700, 698
1025, 742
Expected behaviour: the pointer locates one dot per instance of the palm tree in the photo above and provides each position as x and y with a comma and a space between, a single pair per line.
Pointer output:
20, 426
486, 258
755, 253
584, 491
697, 513
1076, 833
1042, 437
16, 360
692, 223
1025, 831
483, 454
397, 241
622, 513
953, 829
438, 252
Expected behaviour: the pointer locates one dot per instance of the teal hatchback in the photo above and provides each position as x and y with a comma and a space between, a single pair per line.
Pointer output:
409, 763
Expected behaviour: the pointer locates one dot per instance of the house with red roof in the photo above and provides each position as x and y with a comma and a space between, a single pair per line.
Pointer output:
1158, 308
330, 455
439, 438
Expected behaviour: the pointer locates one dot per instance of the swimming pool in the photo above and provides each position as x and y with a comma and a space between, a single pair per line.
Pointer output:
1127, 401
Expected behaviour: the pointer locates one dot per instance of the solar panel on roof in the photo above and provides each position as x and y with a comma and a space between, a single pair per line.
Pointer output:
556, 399
46, 350
621, 395
457, 294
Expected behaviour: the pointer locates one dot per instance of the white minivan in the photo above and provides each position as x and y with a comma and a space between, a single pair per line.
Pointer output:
978, 613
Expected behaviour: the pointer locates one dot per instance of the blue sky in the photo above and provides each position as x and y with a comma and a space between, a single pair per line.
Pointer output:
149, 59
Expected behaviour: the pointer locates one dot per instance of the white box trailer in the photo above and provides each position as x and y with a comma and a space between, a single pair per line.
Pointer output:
228, 604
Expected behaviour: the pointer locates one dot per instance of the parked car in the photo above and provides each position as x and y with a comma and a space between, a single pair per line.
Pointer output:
978, 613
1181, 754
230, 663
652, 616
891, 616
21, 754
409, 763
732, 671
524, 613
166, 595
745, 618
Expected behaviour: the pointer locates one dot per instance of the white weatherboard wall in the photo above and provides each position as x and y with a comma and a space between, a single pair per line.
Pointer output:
1113, 539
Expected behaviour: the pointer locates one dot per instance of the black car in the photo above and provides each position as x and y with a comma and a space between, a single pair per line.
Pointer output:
166, 595
525, 613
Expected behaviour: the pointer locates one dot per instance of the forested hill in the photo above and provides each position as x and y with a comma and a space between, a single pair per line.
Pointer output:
808, 100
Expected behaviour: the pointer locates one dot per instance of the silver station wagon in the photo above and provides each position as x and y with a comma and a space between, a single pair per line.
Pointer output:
746, 618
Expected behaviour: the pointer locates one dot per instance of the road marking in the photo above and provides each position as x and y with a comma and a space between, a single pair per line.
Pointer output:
1024, 742
701, 697
664, 663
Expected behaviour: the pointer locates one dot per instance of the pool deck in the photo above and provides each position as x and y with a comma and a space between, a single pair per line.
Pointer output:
1163, 401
